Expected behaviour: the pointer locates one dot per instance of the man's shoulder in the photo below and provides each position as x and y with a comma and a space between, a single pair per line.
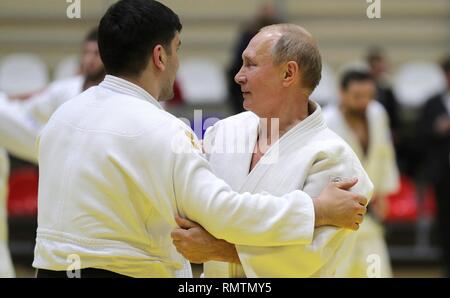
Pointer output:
330, 145
328, 139
331, 151
99, 110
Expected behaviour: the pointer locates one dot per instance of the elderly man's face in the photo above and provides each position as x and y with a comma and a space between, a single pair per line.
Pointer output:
259, 78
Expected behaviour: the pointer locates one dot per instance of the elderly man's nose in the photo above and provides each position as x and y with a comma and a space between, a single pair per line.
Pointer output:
239, 78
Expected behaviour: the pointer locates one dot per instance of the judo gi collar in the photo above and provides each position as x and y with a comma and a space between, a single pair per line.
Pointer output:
313, 122
119, 85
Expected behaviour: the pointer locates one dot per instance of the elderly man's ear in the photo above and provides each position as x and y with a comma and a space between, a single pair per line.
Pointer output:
291, 73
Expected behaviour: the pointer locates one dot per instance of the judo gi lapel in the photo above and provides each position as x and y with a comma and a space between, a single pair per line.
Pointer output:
278, 170
350, 137
374, 131
233, 148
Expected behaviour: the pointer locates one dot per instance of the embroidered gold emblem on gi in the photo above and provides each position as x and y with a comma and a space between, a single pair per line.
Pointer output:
191, 137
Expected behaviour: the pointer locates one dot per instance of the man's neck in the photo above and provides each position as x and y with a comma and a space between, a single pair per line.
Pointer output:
275, 126
146, 82
272, 128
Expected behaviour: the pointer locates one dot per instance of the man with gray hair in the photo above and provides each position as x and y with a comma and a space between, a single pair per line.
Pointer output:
293, 150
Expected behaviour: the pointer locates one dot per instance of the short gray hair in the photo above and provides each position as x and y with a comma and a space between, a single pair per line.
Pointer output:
297, 44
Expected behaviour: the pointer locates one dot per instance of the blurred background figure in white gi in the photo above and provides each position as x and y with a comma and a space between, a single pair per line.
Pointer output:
364, 124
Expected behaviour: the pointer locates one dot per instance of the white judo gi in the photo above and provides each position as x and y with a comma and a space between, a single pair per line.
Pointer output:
20, 123
307, 157
6, 267
115, 169
380, 164
41, 106
16, 134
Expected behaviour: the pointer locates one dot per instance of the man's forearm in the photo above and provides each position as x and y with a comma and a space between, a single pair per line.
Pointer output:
199, 246
227, 253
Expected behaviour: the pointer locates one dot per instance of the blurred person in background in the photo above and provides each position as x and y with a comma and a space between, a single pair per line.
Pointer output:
20, 123
42, 105
364, 124
6, 267
379, 68
435, 126
18, 134
267, 15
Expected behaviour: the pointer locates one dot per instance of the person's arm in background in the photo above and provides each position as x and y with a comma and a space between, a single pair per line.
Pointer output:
17, 131
42, 105
21, 120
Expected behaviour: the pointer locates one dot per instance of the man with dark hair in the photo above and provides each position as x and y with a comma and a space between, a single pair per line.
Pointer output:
436, 134
290, 147
352, 76
123, 47
364, 124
